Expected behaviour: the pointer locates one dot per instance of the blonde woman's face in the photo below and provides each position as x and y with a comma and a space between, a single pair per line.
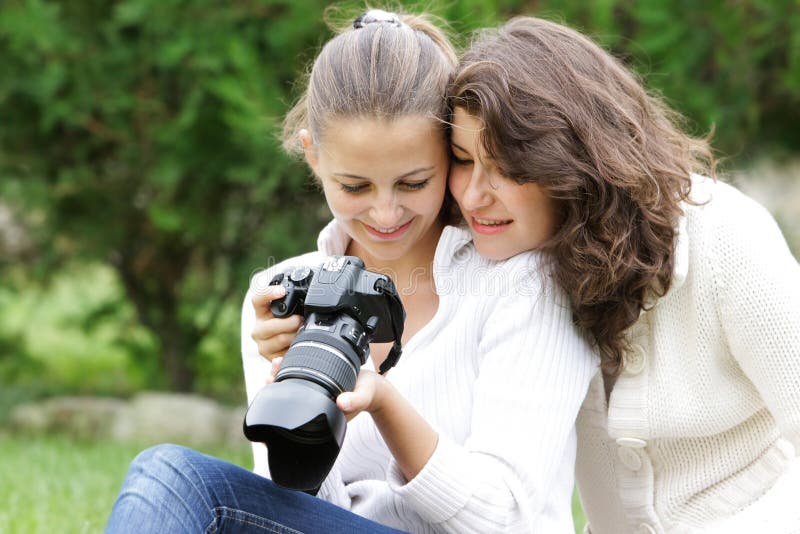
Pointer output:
384, 181
504, 217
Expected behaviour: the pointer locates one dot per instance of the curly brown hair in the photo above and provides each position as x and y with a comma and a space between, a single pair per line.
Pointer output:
561, 112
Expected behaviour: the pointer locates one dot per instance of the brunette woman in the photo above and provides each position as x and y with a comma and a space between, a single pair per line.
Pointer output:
686, 286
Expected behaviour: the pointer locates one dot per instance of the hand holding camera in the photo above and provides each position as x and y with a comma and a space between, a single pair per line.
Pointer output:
365, 397
345, 307
273, 335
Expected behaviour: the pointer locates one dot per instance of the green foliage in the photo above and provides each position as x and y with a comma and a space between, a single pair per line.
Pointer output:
730, 66
140, 134
76, 334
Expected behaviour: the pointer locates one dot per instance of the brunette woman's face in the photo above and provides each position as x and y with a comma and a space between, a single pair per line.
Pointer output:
505, 217
384, 181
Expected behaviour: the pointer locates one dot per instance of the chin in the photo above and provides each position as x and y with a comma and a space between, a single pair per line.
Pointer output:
390, 253
490, 253
495, 253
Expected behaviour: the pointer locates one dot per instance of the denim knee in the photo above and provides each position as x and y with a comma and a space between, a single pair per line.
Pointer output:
158, 456
162, 493
164, 468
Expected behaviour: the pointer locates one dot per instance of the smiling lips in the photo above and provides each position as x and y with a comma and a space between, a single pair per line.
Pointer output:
388, 233
489, 226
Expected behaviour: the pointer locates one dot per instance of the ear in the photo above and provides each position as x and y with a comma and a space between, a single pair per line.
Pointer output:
309, 149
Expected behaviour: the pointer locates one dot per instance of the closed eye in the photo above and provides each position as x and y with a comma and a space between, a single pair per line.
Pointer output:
414, 186
353, 189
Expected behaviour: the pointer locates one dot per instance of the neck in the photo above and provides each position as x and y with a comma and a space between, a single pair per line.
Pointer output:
408, 271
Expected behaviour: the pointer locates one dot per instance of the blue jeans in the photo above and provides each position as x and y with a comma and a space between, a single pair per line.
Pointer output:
174, 489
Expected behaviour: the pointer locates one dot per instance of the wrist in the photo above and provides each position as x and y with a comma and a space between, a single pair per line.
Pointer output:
383, 393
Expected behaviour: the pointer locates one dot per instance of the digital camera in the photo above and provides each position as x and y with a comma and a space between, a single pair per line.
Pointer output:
345, 308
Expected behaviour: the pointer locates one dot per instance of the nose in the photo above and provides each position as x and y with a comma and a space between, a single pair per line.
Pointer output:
386, 212
476, 194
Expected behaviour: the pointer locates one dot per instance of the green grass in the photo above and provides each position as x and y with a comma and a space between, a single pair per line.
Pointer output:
55, 484
577, 514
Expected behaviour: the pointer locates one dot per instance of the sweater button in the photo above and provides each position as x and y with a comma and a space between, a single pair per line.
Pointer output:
634, 360
629, 458
628, 454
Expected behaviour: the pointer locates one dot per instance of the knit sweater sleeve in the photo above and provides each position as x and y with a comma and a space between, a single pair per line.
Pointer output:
256, 370
758, 289
534, 374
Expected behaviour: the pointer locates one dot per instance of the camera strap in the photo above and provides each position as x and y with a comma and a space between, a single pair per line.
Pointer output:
386, 287
391, 358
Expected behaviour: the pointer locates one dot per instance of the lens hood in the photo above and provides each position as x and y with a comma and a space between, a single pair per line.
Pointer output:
302, 428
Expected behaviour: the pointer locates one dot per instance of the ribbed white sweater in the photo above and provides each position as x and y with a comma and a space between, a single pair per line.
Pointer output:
499, 372
701, 430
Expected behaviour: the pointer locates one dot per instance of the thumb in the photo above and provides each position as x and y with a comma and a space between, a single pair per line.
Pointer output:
262, 299
351, 402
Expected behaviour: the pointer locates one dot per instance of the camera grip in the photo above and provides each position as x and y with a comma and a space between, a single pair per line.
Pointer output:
283, 306
296, 284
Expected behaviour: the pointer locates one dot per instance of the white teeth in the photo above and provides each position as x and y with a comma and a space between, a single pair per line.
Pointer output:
490, 222
387, 230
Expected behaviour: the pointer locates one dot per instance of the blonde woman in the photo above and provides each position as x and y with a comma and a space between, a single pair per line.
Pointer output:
473, 430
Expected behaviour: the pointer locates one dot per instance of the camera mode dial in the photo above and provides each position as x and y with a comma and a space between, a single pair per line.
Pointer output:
300, 275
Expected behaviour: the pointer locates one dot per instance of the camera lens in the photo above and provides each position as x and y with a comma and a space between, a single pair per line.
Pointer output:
323, 353
321, 364
297, 416
281, 306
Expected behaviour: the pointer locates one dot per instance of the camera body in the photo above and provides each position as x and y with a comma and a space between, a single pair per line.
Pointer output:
342, 286
345, 308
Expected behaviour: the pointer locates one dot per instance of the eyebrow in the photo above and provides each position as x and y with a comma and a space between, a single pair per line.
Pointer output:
459, 147
485, 158
401, 177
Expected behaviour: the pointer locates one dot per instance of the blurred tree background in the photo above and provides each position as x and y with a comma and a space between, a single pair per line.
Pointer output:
141, 183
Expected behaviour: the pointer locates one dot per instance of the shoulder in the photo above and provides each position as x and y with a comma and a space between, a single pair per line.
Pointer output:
721, 204
724, 224
734, 238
